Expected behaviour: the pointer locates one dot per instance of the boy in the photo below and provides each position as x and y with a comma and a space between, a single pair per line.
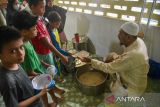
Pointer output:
15, 86
50, 6
54, 23
42, 42
26, 23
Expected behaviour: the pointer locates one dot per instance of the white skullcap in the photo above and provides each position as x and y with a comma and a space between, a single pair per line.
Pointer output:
130, 28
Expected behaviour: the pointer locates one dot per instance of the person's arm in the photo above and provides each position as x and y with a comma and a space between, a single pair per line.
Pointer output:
111, 57
55, 43
32, 73
50, 46
10, 96
120, 64
45, 64
30, 100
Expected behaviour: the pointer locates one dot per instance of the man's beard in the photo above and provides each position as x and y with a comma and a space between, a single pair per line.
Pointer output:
121, 44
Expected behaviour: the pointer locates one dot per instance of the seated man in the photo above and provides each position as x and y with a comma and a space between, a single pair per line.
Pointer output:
131, 67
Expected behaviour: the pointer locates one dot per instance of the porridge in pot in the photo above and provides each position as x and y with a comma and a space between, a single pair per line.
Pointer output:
91, 78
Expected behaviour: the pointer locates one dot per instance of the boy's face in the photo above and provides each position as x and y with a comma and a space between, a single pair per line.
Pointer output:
55, 24
13, 52
39, 9
28, 34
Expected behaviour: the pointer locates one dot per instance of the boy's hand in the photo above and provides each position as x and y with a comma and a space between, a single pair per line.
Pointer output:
45, 64
43, 91
65, 59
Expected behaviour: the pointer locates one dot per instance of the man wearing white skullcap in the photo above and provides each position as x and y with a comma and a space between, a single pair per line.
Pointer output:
131, 30
131, 67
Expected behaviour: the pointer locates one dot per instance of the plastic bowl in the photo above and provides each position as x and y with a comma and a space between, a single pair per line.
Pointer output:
40, 81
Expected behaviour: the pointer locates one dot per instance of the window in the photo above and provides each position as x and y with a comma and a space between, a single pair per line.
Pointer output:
105, 6
78, 10
88, 11
120, 7
129, 10
138, 9
128, 18
99, 13
82, 3
66, 2
92, 5
114, 15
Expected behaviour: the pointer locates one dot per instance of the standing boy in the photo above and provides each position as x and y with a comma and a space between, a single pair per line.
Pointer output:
15, 86
53, 25
26, 23
42, 42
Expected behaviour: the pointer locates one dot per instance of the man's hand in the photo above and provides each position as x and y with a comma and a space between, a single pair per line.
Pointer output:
112, 56
85, 59
109, 59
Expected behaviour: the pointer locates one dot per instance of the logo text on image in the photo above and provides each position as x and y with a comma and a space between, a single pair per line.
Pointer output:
113, 99
130, 99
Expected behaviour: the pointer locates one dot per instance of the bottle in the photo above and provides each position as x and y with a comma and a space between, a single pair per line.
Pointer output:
76, 35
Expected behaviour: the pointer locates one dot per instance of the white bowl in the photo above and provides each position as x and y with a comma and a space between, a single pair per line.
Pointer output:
40, 81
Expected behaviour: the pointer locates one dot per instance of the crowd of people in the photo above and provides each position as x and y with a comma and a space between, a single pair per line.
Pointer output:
34, 43
31, 39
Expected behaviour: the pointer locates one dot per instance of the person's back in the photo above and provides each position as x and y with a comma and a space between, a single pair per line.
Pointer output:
140, 46
134, 74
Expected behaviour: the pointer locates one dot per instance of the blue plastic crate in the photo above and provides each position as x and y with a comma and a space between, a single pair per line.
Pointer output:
154, 71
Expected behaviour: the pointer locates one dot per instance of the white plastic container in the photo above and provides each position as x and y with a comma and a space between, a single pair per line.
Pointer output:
40, 81
52, 71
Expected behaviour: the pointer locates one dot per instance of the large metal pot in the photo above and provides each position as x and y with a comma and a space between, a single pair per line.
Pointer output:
90, 90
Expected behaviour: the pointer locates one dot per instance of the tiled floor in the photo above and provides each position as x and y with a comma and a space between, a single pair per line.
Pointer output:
74, 98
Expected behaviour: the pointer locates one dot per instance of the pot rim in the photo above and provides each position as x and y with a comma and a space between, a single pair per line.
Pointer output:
91, 85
